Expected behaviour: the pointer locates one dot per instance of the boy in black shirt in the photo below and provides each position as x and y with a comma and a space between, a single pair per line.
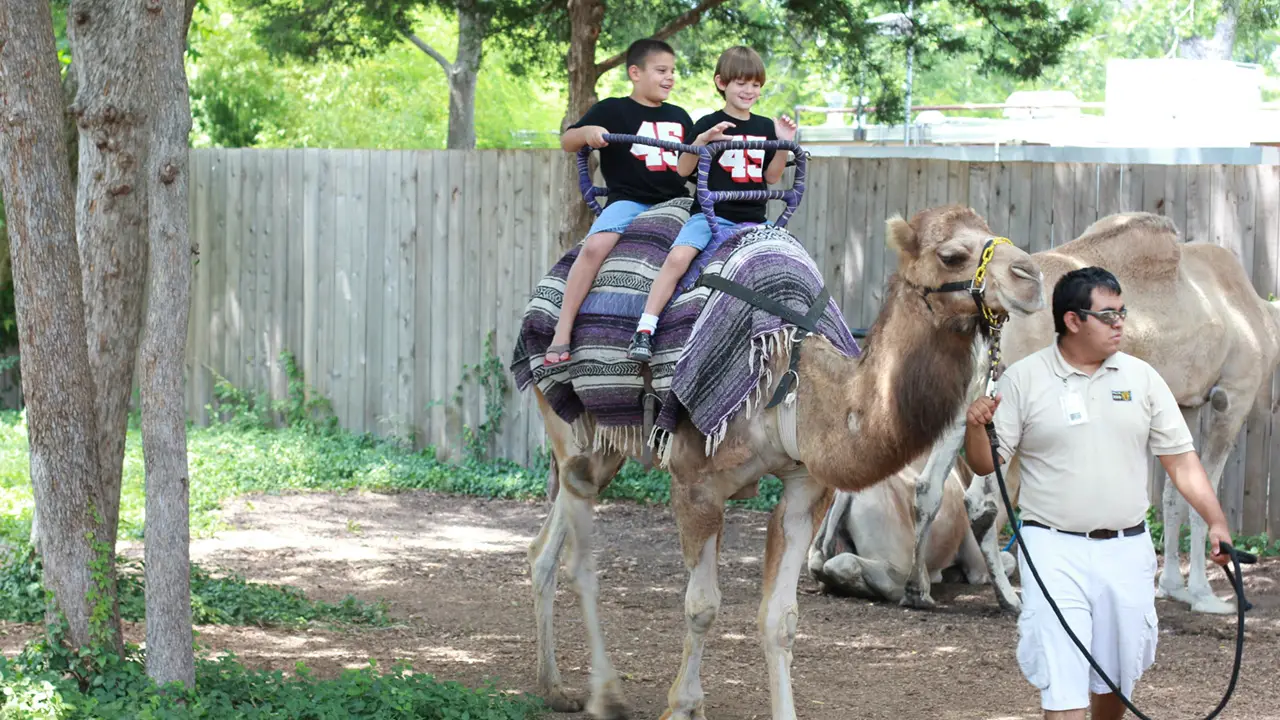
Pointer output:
739, 77
637, 176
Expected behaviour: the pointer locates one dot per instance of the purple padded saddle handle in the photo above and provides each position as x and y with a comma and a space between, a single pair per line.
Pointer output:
706, 198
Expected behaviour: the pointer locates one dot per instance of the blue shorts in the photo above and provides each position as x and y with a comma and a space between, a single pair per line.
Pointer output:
617, 216
697, 234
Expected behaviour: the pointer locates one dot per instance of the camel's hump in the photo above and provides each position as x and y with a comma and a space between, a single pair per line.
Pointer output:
1143, 245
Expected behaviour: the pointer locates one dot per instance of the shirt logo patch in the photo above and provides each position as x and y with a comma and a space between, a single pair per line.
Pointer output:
1121, 395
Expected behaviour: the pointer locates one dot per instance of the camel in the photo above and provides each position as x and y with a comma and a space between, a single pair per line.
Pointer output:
877, 527
847, 424
1195, 317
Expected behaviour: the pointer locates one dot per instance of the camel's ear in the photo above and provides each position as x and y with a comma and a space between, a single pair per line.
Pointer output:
902, 237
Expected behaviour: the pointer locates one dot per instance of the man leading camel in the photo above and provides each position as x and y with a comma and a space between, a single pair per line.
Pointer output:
1086, 418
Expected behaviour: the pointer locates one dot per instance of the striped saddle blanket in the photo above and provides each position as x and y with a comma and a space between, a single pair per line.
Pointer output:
710, 348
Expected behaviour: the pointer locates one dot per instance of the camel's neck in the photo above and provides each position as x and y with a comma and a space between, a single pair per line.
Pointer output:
903, 393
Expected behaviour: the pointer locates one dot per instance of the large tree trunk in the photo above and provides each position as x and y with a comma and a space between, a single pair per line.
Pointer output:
1223, 42
164, 430
586, 18
113, 101
77, 533
473, 25
462, 73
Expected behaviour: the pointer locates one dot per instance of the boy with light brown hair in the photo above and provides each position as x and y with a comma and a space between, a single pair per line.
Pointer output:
739, 78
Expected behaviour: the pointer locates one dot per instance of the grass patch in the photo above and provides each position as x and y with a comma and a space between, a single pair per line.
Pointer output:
222, 599
48, 681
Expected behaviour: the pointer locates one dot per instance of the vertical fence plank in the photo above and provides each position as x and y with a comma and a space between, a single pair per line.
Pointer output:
1019, 199
958, 182
314, 172
935, 172
379, 288
201, 313
1085, 181
234, 234
219, 320
454, 282
338, 299
1257, 444
1268, 233
1000, 175
1153, 187
1064, 211
1111, 193
872, 281
424, 314
1199, 204
895, 203
295, 256
1175, 196
359, 244
835, 233
251, 200
277, 294
1040, 227
406, 262
980, 190
855, 249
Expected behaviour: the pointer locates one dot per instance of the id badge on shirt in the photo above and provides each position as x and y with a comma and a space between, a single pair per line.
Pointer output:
1074, 409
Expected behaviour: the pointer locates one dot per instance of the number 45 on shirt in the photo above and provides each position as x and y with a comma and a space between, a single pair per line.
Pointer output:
655, 158
744, 165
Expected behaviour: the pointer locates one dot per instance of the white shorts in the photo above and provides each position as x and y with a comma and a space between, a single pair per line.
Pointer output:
1106, 591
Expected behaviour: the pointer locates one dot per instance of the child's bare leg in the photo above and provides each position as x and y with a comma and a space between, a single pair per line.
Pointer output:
581, 275
673, 268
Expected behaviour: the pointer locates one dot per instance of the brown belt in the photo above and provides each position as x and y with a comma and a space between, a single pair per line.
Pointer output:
1093, 534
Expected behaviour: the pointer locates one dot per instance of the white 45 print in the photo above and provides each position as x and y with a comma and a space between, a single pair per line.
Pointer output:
744, 165
655, 158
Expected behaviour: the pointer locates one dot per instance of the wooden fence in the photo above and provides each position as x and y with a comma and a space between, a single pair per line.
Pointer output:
391, 274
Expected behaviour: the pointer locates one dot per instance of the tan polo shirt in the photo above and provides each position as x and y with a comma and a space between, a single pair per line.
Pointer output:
1086, 442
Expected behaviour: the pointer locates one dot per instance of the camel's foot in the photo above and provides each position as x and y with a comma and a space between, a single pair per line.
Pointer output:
816, 561
1212, 604
696, 714
562, 700
607, 703
1009, 602
1177, 593
982, 517
915, 597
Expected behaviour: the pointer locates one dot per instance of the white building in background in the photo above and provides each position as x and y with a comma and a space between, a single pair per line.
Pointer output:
1150, 103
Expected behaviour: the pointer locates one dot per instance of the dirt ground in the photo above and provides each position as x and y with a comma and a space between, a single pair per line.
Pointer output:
454, 572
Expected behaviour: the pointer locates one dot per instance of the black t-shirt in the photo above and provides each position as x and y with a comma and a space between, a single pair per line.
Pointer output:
641, 173
736, 169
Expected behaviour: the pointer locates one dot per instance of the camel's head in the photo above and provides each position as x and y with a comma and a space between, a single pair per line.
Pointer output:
940, 250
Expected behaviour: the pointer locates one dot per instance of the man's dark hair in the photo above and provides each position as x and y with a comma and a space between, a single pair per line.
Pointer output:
641, 49
1074, 292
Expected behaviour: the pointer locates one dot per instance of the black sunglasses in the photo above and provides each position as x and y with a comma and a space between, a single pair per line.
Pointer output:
1110, 317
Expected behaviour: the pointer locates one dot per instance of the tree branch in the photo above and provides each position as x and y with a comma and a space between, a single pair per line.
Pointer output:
435, 54
681, 22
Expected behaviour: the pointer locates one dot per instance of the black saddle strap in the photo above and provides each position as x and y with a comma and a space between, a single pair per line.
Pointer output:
808, 323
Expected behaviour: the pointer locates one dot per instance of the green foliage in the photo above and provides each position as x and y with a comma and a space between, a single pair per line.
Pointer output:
48, 681
225, 599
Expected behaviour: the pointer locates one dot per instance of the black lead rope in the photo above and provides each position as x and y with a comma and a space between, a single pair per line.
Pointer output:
1237, 557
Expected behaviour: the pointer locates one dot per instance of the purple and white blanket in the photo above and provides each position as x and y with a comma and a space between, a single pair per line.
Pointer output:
710, 349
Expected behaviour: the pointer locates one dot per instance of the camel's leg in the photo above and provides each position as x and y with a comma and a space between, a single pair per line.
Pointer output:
701, 523
791, 529
1170, 583
929, 489
606, 690
1228, 410
824, 541
972, 561
980, 500
863, 577
544, 560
